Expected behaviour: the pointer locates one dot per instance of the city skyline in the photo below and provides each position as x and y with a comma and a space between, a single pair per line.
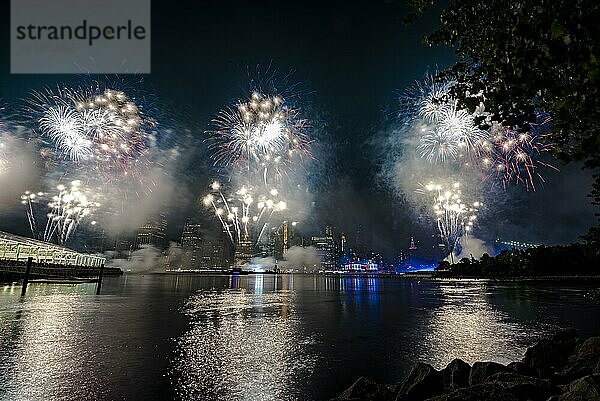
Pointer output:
347, 116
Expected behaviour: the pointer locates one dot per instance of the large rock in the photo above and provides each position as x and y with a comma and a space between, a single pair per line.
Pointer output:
585, 389
456, 374
525, 388
520, 368
364, 389
480, 392
549, 356
422, 382
584, 361
482, 370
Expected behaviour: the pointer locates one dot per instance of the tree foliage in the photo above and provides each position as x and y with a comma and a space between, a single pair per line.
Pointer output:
572, 260
521, 55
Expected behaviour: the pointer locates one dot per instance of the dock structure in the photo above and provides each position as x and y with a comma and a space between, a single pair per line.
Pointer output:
17, 248
46, 260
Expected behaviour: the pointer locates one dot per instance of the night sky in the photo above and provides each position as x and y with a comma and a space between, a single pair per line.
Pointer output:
350, 59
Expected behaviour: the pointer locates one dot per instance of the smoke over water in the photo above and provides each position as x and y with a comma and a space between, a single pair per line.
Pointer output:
297, 257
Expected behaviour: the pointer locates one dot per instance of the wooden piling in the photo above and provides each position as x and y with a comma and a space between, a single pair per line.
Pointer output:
100, 279
27, 273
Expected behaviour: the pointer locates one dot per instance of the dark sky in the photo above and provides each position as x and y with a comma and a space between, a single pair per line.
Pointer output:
350, 56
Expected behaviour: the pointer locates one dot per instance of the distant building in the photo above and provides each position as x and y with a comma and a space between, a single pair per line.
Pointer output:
282, 239
359, 248
343, 244
123, 247
325, 247
191, 245
244, 250
153, 232
214, 254
412, 248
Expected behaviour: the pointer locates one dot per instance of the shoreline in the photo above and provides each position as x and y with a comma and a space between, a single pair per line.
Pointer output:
407, 276
560, 368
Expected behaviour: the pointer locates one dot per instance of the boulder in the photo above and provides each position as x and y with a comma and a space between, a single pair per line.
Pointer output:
525, 388
456, 374
422, 382
364, 389
585, 361
585, 389
520, 368
550, 356
482, 370
480, 392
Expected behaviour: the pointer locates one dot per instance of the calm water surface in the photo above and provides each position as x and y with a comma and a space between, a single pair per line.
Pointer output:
184, 337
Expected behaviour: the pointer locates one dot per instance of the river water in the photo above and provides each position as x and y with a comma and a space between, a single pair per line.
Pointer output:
285, 337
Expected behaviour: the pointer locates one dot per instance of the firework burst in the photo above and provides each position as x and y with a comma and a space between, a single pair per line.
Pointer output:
93, 128
447, 135
455, 215
245, 213
260, 134
67, 209
512, 156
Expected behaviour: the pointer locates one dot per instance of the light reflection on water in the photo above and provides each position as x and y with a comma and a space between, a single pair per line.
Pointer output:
42, 337
271, 337
244, 344
468, 326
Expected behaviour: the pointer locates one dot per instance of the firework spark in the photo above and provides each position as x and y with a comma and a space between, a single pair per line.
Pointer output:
66, 210
260, 134
455, 216
99, 129
245, 213
512, 156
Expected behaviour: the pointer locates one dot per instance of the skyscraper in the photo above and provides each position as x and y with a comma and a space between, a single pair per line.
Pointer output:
153, 232
325, 246
191, 244
214, 254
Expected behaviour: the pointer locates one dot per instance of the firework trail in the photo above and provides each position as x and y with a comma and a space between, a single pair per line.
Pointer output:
260, 146
244, 210
66, 211
455, 216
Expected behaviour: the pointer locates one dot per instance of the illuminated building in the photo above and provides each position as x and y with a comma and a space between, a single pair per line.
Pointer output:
191, 244
244, 250
366, 265
18, 248
153, 233
325, 247
412, 248
282, 239
213, 254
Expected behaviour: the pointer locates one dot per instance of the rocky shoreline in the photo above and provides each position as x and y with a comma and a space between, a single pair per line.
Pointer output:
560, 368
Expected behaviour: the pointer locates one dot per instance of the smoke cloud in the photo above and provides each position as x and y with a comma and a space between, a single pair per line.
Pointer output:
297, 257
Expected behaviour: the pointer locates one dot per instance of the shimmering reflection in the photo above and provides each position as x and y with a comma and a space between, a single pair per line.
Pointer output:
468, 325
41, 339
244, 343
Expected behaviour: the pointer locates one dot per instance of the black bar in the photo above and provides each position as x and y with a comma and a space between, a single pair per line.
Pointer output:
27, 272
100, 279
